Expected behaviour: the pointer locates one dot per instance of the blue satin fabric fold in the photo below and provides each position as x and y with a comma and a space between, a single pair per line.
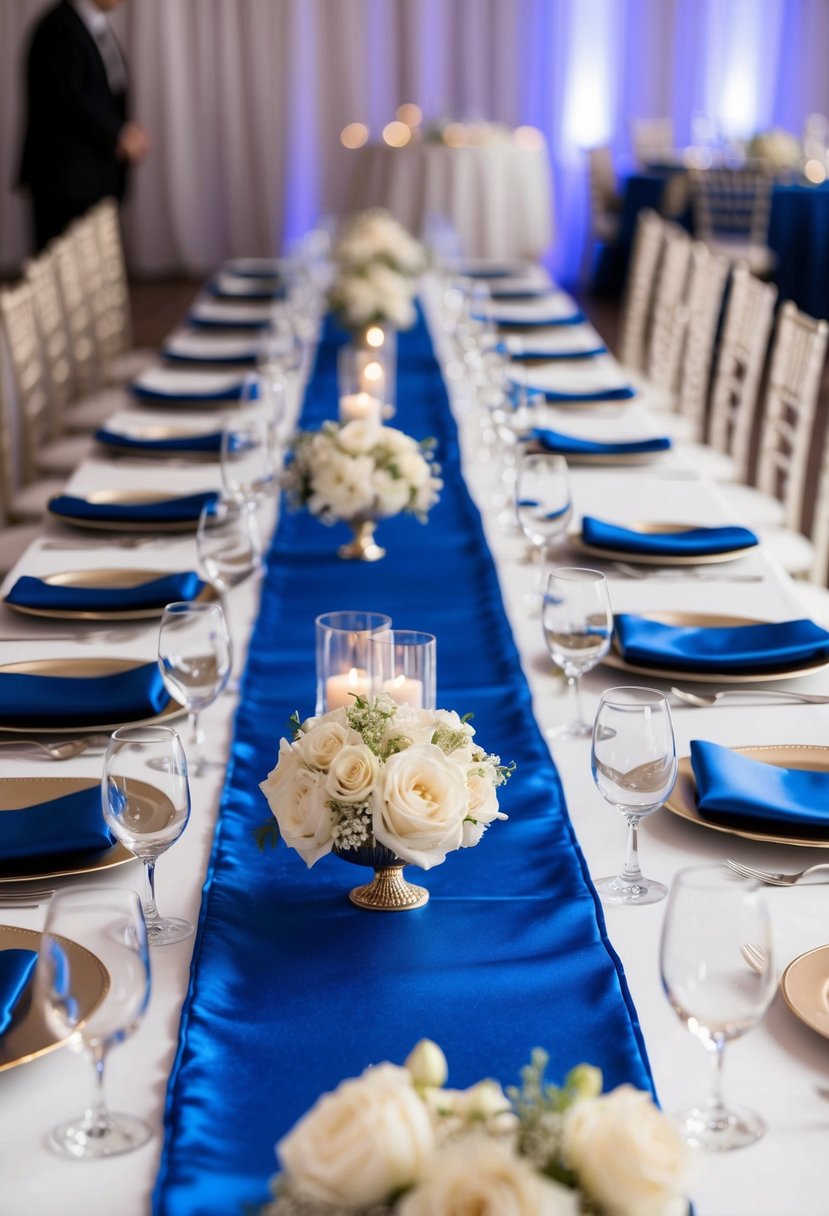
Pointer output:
293, 988
47, 701
571, 445
163, 511
71, 824
745, 793
16, 967
29, 592
770, 646
209, 442
689, 542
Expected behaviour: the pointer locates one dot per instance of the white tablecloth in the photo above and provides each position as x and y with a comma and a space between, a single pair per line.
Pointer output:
497, 196
773, 1069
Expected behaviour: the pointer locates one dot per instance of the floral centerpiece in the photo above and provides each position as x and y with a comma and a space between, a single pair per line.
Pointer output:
384, 784
395, 1140
777, 148
361, 472
376, 265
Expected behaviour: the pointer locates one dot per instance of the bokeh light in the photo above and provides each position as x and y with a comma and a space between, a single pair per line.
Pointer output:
396, 134
354, 135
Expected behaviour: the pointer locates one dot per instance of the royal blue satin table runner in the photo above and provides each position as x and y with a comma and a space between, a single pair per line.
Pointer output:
292, 988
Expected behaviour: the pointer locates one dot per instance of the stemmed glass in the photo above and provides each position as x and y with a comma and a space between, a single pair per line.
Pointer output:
145, 798
108, 923
194, 657
230, 551
544, 506
249, 460
634, 767
578, 626
711, 916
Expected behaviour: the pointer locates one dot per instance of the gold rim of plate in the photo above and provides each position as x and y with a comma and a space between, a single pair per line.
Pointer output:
659, 559
610, 458
805, 989
683, 799
707, 620
120, 578
24, 793
82, 668
29, 1036
126, 498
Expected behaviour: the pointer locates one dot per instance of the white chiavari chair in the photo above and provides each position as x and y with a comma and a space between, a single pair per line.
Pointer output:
124, 362
815, 593
637, 303
707, 279
670, 314
731, 214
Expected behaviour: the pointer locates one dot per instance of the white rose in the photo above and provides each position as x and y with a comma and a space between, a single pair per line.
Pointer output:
482, 805
352, 774
419, 807
628, 1156
427, 1064
427, 495
359, 436
414, 468
395, 441
286, 768
318, 746
359, 1144
342, 487
482, 1175
306, 822
391, 494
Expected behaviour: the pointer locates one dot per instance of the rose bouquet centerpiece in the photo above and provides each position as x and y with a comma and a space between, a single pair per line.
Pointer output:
777, 148
396, 1140
384, 784
360, 472
376, 264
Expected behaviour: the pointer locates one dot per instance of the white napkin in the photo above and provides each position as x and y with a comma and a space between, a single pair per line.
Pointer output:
207, 309
592, 376
176, 382
243, 285
260, 268
195, 344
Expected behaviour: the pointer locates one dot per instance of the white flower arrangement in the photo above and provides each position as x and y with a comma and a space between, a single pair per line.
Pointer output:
381, 773
361, 470
778, 148
376, 262
395, 1140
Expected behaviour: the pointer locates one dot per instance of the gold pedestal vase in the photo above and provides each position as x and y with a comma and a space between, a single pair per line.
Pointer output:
388, 891
363, 548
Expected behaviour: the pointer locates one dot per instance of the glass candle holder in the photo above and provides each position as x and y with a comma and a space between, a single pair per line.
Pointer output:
362, 379
404, 665
343, 656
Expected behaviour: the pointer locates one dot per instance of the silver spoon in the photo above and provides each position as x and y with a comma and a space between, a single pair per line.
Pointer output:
706, 700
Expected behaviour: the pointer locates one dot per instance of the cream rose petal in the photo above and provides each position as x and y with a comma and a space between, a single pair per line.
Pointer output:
352, 774
419, 808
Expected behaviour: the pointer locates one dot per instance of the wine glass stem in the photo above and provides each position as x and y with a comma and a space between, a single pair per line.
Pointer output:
196, 737
715, 1101
96, 1119
150, 907
575, 697
632, 872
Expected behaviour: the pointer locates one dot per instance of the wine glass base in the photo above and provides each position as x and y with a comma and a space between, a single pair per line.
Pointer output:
83, 1140
615, 890
575, 730
168, 929
720, 1129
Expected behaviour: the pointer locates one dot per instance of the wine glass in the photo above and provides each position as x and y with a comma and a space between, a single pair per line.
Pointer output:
578, 626
544, 506
230, 551
633, 760
145, 797
194, 657
710, 917
249, 460
108, 924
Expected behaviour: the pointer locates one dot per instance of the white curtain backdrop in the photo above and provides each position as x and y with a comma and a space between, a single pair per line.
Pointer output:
245, 99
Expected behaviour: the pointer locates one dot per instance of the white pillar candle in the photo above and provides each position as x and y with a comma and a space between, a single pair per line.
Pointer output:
341, 690
361, 406
405, 691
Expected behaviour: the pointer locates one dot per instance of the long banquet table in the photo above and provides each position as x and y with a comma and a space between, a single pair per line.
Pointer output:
774, 1069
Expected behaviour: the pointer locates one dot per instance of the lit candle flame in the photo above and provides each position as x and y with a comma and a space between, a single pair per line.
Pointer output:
375, 336
373, 371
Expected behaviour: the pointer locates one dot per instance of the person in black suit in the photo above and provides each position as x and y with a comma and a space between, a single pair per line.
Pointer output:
79, 142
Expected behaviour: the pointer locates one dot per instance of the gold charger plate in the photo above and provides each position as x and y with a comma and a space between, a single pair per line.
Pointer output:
126, 498
683, 799
23, 793
610, 458
81, 667
659, 559
113, 577
29, 1036
805, 988
706, 620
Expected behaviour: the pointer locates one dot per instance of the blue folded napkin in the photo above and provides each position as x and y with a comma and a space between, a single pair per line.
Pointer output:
689, 542
570, 445
265, 293
623, 392
16, 967
745, 793
229, 394
529, 353
29, 592
211, 442
766, 647
67, 825
574, 318
164, 511
202, 322
57, 701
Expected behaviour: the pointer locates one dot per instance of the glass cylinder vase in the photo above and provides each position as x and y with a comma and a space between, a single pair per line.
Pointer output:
403, 663
343, 656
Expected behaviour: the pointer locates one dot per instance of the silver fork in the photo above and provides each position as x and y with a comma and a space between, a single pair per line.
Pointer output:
13, 897
64, 749
707, 699
124, 542
774, 878
683, 572
755, 956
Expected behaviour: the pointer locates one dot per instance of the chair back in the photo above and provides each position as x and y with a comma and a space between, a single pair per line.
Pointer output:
639, 289
105, 221
797, 359
704, 300
76, 315
41, 275
731, 205
670, 314
652, 139
24, 398
103, 320
604, 195
740, 359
